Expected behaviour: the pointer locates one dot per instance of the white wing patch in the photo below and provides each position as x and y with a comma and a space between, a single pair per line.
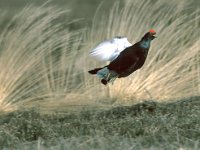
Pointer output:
109, 50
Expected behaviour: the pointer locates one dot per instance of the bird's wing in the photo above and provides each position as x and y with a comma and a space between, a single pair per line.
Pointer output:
124, 62
109, 50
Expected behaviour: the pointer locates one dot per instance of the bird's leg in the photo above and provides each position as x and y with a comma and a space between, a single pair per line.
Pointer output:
113, 79
112, 76
108, 76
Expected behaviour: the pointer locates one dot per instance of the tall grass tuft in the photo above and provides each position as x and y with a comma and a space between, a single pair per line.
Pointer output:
29, 67
45, 64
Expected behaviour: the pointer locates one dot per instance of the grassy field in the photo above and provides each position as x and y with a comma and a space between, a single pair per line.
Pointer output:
147, 125
49, 101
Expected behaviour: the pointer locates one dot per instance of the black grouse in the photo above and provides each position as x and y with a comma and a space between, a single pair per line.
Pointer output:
128, 60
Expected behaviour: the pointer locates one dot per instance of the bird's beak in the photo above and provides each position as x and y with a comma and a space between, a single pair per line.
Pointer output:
154, 36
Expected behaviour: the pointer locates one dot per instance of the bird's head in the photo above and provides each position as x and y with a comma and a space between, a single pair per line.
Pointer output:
150, 35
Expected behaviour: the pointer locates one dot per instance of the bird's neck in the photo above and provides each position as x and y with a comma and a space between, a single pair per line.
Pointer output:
145, 43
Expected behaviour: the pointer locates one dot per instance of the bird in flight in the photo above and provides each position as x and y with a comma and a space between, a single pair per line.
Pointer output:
124, 57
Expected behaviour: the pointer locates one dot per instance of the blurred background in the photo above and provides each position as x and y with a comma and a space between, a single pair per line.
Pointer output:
80, 9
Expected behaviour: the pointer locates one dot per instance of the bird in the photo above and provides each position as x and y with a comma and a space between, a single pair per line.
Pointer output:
124, 57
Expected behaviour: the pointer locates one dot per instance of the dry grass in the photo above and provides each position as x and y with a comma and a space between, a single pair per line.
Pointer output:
30, 44
44, 64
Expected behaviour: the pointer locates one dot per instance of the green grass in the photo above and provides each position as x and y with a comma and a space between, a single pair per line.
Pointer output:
147, 125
